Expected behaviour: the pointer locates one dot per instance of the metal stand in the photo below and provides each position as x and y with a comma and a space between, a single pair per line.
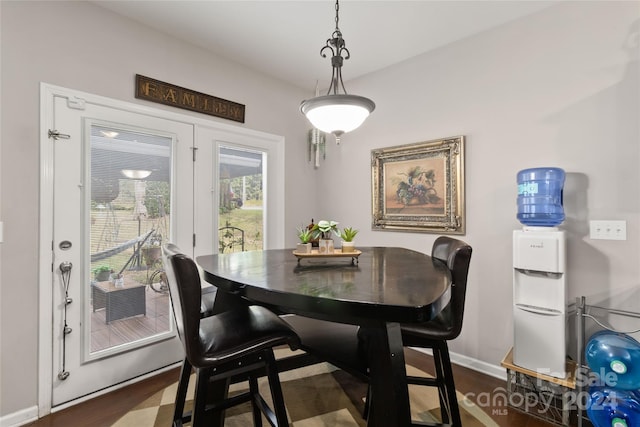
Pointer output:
582, 313
580, 304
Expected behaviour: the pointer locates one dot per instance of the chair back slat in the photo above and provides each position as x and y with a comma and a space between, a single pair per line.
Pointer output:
456, 254
185, 292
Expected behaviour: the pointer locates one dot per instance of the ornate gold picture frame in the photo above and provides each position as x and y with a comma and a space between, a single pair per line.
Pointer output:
419, 187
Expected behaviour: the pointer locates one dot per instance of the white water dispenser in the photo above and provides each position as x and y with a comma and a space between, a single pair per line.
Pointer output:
540, 300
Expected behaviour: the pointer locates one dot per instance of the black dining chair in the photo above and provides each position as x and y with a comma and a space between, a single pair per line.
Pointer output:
207, 301
434, 334
237, 341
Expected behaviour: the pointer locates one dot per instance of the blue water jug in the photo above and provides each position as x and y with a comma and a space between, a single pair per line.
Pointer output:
615, 359
609, 407
540, 196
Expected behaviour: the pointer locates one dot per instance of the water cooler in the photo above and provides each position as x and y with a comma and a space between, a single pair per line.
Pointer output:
539, 282
539, 300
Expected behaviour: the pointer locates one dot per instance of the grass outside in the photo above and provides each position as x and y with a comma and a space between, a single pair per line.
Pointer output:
110, 228
249, 219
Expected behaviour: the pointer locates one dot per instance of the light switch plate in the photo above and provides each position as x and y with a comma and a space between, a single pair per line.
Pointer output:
608, 230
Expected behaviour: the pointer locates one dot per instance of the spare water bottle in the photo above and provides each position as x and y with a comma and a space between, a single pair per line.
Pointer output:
607, 407
540, 196
615, 359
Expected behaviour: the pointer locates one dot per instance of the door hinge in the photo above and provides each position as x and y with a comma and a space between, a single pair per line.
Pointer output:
194, 149
57, 135
194, 240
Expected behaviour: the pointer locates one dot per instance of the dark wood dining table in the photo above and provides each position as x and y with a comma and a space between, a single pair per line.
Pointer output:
387, 286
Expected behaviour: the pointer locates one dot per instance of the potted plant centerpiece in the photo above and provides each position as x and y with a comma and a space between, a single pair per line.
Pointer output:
305, 235
323, 230
347, 235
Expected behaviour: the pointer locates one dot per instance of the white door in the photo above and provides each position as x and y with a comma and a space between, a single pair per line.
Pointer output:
122, 184
239, 191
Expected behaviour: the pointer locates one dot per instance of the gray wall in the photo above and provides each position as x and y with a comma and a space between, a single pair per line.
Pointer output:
84, 47
557, 88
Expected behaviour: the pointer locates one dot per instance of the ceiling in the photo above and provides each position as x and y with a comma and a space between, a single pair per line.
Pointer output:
283, 38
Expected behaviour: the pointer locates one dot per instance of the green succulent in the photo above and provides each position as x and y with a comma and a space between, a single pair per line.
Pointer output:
304, 234
348, 234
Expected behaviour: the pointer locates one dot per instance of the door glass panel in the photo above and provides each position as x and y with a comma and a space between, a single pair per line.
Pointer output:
128, 222
241, 204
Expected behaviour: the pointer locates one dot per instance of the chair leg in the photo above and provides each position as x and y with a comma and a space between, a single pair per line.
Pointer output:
441, 378
181, 394
200, 399
257, 413
276, 390
449, 385
449, 409
365, 411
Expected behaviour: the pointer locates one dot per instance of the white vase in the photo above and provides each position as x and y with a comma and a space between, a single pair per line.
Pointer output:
348, 247
303, 248
325, 246
118, 280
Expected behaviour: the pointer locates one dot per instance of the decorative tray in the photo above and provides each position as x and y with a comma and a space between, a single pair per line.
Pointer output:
337, 253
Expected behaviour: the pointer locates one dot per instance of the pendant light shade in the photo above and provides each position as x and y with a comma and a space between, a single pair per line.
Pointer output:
337, 113
136, 173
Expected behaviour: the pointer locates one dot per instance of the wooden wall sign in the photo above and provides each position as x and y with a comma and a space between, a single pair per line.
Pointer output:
176, 96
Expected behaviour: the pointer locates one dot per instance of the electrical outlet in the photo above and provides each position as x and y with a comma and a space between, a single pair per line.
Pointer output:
608, 230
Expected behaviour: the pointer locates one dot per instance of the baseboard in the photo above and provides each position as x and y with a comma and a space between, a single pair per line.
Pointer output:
29, 415
20, 418
475, 364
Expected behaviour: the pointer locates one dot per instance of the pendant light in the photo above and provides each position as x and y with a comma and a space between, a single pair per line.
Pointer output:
335, 112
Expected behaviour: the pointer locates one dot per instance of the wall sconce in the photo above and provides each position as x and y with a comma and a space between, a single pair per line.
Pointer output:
316, 145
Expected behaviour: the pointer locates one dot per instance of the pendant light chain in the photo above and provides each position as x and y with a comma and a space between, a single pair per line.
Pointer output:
340, 47
336, 112
337, 46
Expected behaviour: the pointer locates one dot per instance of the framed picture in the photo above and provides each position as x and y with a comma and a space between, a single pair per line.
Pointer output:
419, 187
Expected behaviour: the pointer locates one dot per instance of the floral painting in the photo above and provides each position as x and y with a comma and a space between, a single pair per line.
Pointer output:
419, 187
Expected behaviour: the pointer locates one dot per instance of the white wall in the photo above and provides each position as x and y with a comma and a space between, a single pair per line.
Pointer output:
81, 46
559, 88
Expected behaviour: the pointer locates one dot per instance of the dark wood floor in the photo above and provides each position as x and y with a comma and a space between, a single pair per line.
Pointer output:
107, 409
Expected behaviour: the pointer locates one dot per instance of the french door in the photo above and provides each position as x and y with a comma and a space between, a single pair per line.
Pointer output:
117, 181
239, 191
118, 177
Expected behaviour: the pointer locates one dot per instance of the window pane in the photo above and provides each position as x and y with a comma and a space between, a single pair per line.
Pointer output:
129, 220
241, 204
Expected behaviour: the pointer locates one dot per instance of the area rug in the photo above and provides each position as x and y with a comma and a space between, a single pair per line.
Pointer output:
316, 396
